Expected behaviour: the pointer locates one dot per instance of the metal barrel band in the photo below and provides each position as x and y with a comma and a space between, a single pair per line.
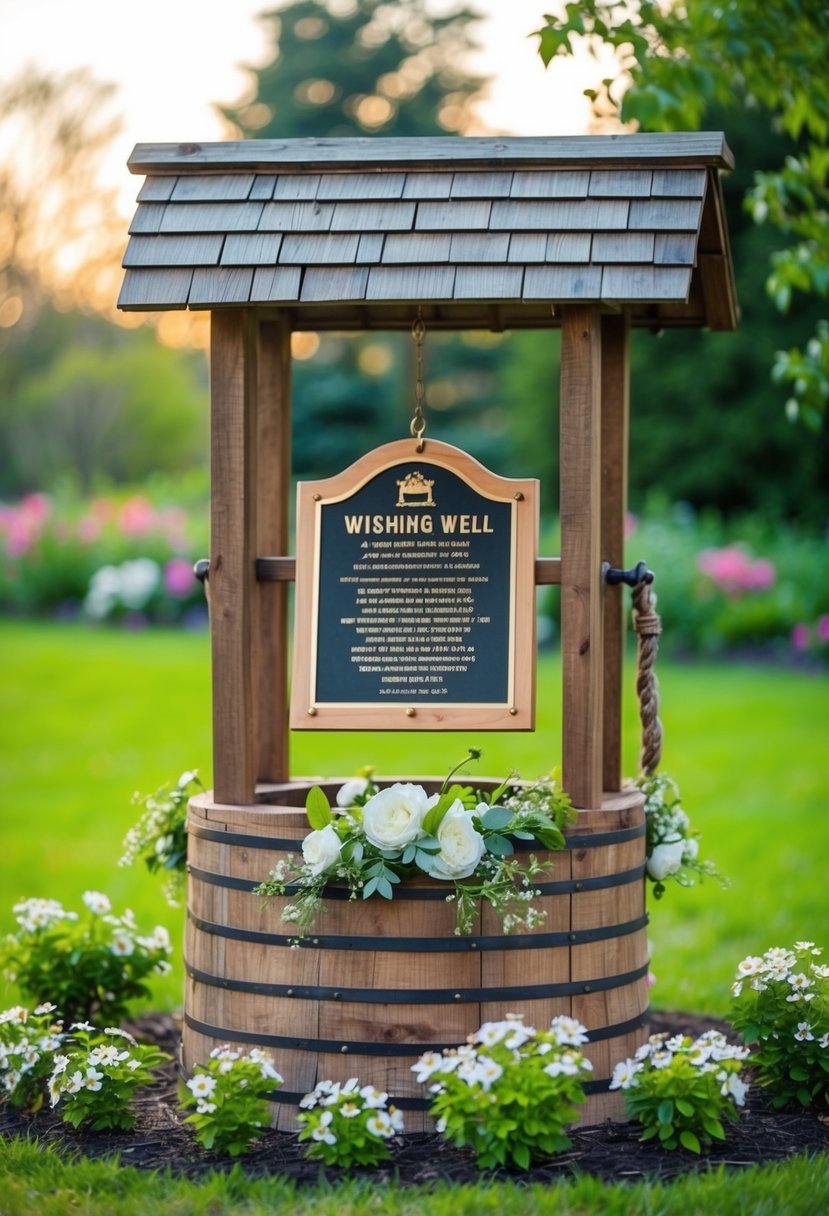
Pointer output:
363, 1048
292, 844
567, 886
422, 996
422, 945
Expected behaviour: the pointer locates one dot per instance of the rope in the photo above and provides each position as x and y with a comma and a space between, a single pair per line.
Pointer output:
648, 627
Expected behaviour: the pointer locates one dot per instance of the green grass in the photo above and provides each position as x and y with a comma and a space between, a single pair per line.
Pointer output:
35, 1183
88, 717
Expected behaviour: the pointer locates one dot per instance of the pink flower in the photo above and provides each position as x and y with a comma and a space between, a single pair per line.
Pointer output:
733, 570
760, 575
800, 637
137, 516
178, 577
823, 628
89, 528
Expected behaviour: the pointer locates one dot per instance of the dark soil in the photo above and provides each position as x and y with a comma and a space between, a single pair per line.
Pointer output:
610, 1151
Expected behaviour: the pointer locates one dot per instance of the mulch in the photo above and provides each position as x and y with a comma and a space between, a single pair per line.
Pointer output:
609, 1151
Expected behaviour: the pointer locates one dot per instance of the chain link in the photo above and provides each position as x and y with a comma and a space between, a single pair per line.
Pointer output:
417, 426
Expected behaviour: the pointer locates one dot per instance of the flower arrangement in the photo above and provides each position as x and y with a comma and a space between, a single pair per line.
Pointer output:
510, 1091
96, 1075
681, 1089
90, 966
375, 838
348, 1124
159, 837
230, 1094
781, 1008
28, 1041
672, 848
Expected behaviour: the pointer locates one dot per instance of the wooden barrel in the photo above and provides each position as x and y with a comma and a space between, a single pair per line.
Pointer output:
379, 982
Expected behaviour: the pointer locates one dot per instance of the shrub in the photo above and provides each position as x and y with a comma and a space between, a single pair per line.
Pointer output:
781, 1008
28, 1041
348, 1124
96, 1075
681, 1089
510, 1092
90, 966
159, 836
230, 1095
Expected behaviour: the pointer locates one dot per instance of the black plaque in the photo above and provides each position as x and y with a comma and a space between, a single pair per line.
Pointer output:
412, 592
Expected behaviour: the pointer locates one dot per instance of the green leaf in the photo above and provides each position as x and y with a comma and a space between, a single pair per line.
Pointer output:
798, 1074
318, 808
434, 818
690, 1141
684, 1107
371, 886
665, 1113
499, 846
496, 817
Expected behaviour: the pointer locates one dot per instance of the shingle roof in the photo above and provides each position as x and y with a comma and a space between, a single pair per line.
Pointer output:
481, 232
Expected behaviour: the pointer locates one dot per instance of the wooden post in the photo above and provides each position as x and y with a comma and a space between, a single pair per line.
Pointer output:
270, 652
615, 426
233, 400
581, 583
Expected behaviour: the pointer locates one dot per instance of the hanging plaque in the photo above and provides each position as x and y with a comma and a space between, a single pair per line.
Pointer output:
415, 595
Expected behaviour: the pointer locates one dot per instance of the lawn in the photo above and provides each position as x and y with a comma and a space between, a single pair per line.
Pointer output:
88, 717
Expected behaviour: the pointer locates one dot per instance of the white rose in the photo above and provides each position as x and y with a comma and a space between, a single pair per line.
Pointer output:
394, 817
461, 847
665, 859
348, 793
321, 849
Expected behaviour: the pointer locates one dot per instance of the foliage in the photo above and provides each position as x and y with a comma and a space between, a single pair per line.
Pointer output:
230, 1093
675, 61
368, 68
97, 1073
114, 558
159, 836
90, 966
781, 1008
681, 1089
379, 837
510, 1092
28, 1041
348, 1124
672, 848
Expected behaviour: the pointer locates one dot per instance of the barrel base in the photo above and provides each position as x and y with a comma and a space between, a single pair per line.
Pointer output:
385, 981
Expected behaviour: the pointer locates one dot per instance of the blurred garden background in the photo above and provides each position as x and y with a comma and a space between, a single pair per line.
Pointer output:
104, 493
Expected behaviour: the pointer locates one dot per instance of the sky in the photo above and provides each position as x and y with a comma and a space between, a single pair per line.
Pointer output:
173, 59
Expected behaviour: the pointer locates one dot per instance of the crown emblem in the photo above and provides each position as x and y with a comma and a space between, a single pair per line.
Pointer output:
415, 490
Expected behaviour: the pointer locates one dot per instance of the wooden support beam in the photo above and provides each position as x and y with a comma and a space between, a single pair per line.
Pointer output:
270, 661
233, 440
581, 579
615, 378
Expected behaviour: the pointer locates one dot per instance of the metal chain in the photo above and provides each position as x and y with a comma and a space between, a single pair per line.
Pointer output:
418, 423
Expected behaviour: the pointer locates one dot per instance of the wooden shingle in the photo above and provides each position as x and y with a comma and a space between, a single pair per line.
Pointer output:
355, 231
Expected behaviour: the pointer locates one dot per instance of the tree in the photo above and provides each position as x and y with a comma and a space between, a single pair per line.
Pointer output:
371, 67
675, 62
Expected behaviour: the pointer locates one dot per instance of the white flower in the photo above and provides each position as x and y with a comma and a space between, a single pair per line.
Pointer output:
461, 846
349, 1109
488, 1072
185, 778
379, 1124
492, 1032
74, 1083
665, 859
374, 1098
803, 1034
430, 1062
93, 1079
568, 1031
323, 1131
321, 849
733, 1086
122, 945
750, 966
624, 1073
691, 849
205, 1108
348, 793
393, 817
201, 1085
97, 902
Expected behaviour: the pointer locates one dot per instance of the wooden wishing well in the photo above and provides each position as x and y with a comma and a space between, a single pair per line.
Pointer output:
593, 235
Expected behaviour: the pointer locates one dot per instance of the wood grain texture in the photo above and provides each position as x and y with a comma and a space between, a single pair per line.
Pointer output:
155, 290
203, 250
254, 249
233, 400
562, 283
674, 148
270, 659
634, 183
615, 380
224, 285
492, 282
581, 604
214, 187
